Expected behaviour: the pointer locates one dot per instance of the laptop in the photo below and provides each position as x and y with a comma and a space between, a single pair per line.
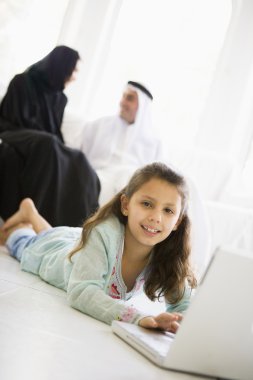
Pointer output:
216, 335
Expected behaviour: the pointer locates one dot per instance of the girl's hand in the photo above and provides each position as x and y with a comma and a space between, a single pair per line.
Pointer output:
169, 321
164, 321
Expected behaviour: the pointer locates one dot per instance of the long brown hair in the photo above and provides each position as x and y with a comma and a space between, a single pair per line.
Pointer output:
169, 265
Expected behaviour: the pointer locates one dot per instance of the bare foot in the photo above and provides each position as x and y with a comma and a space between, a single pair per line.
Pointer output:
4, 234
24, 215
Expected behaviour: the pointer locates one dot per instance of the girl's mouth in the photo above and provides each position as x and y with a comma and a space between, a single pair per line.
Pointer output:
150, 230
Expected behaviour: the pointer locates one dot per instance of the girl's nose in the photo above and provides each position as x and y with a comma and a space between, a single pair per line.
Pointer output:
155, 217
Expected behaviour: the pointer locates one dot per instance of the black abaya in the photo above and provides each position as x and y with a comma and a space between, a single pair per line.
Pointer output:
60, 180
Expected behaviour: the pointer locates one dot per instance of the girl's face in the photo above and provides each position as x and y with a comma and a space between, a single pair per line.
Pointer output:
153, 212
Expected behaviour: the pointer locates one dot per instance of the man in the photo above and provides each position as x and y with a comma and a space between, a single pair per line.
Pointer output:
117, 145
124, 139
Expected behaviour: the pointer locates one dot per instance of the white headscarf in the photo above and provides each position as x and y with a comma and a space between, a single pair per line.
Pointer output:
143, 125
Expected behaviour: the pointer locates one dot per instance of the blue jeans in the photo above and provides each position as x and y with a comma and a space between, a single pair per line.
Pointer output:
19, 240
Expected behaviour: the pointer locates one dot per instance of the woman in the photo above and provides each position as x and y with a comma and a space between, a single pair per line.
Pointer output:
34, 162
35, 98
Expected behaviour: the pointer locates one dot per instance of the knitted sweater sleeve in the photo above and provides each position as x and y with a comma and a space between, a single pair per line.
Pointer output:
89, 279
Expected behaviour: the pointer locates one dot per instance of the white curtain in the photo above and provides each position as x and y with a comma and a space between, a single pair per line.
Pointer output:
88, 26
226, 123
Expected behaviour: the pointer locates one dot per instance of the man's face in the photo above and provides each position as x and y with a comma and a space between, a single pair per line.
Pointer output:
129, 106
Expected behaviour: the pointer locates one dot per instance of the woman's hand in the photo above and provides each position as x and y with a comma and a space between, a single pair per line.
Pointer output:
164, 321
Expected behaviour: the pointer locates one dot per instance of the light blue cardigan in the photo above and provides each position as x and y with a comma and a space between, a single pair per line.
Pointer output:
86, 279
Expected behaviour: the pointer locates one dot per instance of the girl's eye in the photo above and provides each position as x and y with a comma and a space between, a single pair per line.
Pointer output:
146, 204
168, 211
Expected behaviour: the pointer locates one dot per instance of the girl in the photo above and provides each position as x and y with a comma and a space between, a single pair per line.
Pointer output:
140, 238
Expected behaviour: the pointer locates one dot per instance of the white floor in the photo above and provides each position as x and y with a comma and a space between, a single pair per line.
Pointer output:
43, 338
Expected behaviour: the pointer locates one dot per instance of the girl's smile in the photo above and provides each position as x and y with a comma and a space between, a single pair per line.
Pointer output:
150, 231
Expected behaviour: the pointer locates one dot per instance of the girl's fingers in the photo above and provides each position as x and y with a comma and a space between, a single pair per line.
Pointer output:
168, 321
164, 321
148, 323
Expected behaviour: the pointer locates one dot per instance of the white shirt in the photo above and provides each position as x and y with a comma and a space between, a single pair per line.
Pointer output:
111, 141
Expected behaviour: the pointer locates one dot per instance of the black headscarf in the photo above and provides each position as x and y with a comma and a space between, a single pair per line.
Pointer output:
55, 68
35, 98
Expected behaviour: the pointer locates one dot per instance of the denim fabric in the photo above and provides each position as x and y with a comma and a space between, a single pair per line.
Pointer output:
19, 240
